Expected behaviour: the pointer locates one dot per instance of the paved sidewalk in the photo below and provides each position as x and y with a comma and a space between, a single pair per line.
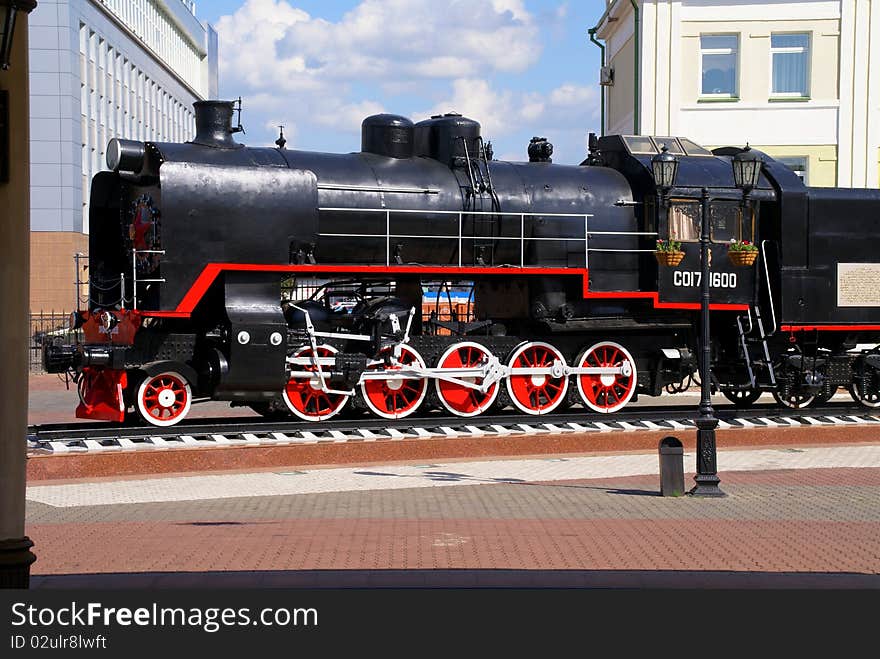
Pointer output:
793, 517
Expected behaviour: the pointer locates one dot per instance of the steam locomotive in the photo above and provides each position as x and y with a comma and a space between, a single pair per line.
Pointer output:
568, 301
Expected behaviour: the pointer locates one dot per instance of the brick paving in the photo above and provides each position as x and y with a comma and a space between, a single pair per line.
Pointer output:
817, 521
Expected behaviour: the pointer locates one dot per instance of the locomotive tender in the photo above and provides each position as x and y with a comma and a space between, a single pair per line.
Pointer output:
190, 244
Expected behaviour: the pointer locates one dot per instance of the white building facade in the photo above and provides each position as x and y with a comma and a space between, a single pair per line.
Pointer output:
799, 79
101, 69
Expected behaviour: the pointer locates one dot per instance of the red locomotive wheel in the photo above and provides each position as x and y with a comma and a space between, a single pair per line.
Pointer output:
395, 398
536, 394
457, 398
303, 395
164, 399
607, 392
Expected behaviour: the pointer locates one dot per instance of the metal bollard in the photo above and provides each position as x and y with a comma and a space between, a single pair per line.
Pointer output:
671, 467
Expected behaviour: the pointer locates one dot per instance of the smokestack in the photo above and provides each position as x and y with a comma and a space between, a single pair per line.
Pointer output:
214, 124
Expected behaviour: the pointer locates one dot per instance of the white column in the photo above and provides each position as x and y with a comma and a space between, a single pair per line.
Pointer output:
674, 126
648, 85
860, 92
872, 116
845, 135
662, 67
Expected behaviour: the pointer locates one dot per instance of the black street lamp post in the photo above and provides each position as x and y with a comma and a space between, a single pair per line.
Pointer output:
706, 477
746, 172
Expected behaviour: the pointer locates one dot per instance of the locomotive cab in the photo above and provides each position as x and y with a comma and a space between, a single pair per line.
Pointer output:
671, 220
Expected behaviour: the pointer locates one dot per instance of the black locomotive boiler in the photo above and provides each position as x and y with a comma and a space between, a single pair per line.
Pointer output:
568, 302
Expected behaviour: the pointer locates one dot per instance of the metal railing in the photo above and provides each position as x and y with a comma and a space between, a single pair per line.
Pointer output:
459, 236
48, 327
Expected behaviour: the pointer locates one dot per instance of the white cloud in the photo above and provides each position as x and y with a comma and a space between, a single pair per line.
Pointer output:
272, 43
310, 74
502, 112
569, 95
285, 62
348, 116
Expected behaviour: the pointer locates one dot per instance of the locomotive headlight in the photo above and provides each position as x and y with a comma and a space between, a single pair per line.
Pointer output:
125, 155
107, 320
75, 321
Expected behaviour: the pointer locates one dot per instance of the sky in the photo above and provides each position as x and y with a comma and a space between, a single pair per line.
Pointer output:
522, 68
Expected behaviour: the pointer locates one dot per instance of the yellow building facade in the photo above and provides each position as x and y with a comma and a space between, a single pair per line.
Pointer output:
790, 78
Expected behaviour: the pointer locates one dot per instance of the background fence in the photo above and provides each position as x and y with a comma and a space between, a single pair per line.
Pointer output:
47, 326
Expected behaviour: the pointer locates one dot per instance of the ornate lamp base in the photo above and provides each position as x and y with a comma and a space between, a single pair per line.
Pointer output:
707, 470
706, 486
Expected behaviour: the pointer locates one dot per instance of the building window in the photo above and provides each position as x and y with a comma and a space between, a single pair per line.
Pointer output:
796, 164
718, 64
791, 63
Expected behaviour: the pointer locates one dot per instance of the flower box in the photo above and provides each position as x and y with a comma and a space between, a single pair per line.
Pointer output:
669, 258
742, 257
742, 252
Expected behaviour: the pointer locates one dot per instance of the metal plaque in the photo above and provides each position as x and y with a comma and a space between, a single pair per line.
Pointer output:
858, 284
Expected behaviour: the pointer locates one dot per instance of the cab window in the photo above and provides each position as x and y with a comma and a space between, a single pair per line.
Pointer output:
684, 221
726, 221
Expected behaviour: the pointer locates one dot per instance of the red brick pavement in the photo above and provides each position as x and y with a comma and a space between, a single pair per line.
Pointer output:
369, 544
832, 529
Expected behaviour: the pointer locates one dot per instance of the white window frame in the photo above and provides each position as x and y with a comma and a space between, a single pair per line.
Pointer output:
719, 51
793, 49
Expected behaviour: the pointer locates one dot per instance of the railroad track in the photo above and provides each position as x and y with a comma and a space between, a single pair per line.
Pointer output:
93, 438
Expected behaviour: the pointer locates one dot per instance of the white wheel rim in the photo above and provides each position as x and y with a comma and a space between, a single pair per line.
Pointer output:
605, 379
395, 386
314, 386
165, 399
478, 406
516, 388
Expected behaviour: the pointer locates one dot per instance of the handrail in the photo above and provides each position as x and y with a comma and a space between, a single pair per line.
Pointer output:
134, 295
769, 287
522, 238
460, 237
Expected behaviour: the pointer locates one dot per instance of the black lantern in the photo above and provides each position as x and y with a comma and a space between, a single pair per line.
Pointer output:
665, 167
8, 11
747, 169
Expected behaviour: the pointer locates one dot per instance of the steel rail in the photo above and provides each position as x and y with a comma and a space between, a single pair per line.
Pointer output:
84, 437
